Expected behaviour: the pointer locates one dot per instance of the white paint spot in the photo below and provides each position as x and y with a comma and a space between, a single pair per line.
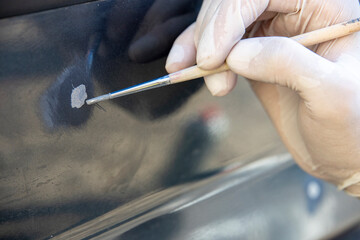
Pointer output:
78, 96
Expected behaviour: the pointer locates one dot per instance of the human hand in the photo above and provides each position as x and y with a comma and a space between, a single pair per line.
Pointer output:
313, 99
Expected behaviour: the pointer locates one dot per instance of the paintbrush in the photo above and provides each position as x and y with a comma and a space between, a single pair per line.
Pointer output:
306, 39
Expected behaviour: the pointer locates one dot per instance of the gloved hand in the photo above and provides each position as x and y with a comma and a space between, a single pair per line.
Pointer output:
312, 95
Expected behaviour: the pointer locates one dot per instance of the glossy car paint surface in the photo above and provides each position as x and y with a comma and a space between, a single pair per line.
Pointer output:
65, 166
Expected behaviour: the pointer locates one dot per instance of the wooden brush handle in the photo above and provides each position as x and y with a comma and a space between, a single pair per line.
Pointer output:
328, 33
306, 39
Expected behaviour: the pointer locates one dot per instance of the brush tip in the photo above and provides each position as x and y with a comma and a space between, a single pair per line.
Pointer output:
97, 99
90, 101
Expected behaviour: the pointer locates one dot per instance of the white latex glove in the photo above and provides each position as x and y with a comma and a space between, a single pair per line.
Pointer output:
312, 98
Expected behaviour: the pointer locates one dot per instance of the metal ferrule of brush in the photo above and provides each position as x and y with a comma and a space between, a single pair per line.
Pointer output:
141, 87
134, 89
98, 99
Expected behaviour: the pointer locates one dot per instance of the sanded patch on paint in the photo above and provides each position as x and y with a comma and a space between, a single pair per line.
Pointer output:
78, 96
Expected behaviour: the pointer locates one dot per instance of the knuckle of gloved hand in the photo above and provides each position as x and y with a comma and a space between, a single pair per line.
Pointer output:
252, 9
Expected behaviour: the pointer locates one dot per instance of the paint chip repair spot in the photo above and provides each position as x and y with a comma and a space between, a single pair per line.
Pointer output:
78, 96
